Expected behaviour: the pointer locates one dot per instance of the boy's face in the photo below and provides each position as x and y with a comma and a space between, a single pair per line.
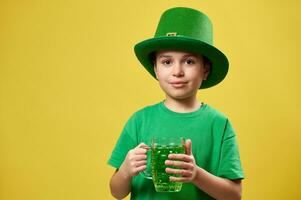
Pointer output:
180, 74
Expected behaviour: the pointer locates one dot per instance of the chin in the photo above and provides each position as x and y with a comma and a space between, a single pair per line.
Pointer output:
180, 96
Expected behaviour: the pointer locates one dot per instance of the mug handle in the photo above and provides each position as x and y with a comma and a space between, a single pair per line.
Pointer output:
147, 173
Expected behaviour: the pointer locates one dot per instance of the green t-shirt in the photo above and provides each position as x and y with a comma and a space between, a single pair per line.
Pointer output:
213, 139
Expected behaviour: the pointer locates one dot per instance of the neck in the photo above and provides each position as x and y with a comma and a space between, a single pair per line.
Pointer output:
182, 105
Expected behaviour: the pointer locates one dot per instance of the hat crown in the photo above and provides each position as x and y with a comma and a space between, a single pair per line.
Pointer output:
185, 22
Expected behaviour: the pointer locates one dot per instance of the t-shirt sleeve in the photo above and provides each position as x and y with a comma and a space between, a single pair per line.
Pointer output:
230, 164
124, 144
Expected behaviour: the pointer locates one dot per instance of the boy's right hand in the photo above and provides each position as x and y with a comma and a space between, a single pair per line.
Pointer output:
135, 161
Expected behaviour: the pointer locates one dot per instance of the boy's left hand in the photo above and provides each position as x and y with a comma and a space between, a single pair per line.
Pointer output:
185, 163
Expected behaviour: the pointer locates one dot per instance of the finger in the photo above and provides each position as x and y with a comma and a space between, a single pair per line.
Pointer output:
140, 163
188, 147
184, 173
143, 146
139, 150
179, 179
179, 164
181, 157
141, 168
138, 157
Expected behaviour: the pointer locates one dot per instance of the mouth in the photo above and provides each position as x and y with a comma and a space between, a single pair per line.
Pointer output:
178, 84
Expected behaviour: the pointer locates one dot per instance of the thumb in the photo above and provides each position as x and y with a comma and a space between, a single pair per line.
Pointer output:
143, 146
188, 147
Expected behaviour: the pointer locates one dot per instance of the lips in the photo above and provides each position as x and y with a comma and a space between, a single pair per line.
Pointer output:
178, 84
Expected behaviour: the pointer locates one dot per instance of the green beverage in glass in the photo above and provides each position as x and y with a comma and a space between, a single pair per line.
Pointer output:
160, 149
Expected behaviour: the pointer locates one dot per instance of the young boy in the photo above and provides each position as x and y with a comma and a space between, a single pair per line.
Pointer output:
181, 57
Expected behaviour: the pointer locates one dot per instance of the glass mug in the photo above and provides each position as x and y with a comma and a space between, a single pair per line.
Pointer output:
161, 147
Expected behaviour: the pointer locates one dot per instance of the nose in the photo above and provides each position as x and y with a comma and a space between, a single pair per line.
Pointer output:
177, 70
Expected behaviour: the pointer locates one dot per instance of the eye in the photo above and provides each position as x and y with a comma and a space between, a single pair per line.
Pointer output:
190, 61
166, 62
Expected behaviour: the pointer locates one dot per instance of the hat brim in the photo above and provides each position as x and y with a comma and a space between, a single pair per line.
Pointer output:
219, 62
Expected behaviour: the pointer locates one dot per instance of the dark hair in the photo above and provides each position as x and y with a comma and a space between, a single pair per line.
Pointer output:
152, 57
207, 61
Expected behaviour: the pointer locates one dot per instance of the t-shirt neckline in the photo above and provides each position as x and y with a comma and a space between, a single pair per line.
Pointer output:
178, 114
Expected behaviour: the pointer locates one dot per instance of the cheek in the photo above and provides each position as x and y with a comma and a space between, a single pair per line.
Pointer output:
201, 73
197, 78
196, 74
161, 74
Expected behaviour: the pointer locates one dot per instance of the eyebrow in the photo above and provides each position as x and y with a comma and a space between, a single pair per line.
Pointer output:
164, 56
169, 56
184, 56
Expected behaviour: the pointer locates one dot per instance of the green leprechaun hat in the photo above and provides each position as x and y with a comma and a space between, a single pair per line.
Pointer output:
184, 29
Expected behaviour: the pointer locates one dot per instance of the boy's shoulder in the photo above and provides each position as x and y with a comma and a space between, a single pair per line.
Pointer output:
206, 110
214, 112
147, 109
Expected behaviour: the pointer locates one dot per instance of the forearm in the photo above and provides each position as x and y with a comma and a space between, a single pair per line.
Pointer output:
120, 184
217, 187
133, 164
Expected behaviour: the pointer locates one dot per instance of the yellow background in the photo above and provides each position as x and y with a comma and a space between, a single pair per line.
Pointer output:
69, 80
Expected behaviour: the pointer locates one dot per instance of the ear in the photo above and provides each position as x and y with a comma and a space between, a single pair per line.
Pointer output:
207, 69
155, 69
